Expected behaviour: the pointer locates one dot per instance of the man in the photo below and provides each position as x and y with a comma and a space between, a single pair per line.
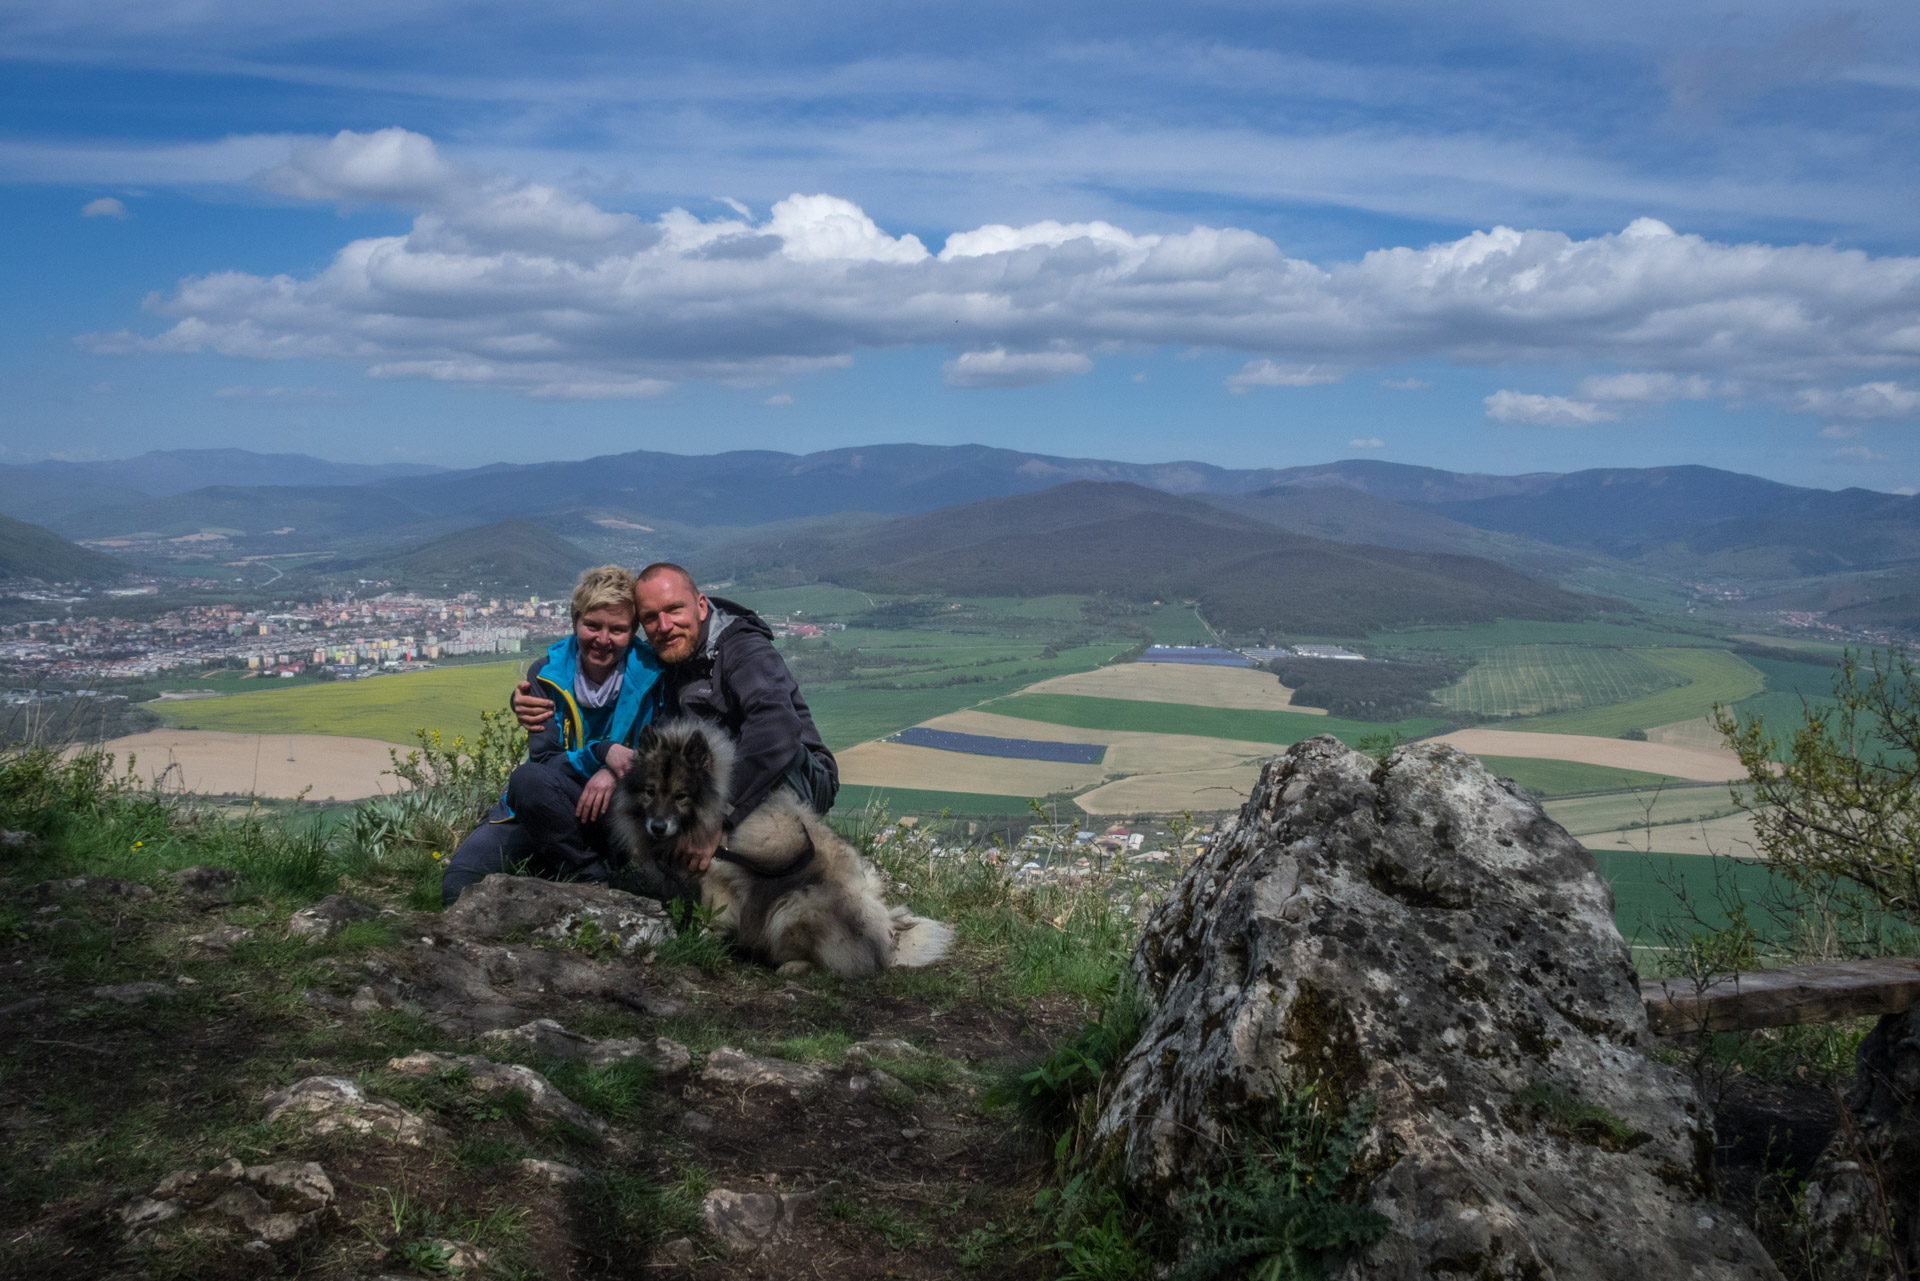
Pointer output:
720, 664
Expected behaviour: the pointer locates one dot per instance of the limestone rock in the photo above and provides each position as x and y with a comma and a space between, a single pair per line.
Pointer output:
1421, 940
18, 841
274, 1203
546, 1036
218, 941
324, 919
554, 1172
132, 993
206, 884
502, 905
468, 987
488, 1077
748, 1221
1847, 1210
863, 1053
331, 1104
728, 1066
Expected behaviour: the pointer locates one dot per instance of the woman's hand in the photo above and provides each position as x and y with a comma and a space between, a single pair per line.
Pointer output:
620, 759
532, 713
594, 797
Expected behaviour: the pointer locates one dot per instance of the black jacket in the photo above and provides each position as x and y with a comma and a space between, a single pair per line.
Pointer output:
738, 678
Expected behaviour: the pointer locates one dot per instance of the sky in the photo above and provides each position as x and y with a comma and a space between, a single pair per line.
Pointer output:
1496, 235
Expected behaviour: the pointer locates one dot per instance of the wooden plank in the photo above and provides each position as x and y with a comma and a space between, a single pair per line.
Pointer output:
1784, 997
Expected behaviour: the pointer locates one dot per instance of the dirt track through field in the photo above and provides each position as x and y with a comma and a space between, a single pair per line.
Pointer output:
1194, 684
212, 762
1674, 761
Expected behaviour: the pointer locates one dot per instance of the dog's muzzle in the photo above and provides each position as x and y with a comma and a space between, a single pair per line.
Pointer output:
661, 828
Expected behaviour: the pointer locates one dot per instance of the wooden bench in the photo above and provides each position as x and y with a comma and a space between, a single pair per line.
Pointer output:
1784, 997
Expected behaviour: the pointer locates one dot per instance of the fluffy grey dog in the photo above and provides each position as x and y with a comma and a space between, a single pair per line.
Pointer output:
785, 888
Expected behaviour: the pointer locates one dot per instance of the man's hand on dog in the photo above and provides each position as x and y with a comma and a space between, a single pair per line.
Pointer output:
696, 849
532, 713
620, 759
594, 797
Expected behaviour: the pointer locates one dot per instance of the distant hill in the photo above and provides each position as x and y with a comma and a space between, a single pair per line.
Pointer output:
1137, 543
56, 491
29, 551
509, 554
1357, 516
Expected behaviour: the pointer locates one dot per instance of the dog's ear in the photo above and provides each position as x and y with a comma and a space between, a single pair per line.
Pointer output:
699, 752
649, 739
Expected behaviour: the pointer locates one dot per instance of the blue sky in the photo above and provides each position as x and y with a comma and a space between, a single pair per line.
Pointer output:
1493, 235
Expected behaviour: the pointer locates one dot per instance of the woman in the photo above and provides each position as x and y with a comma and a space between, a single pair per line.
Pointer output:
551, 819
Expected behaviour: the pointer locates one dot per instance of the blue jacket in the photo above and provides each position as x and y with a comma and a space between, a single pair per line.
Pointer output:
567, 735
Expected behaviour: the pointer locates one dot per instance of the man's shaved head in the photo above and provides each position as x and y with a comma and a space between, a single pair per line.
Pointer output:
660, 567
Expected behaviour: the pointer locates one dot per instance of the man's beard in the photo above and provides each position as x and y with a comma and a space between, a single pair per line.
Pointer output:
677, 650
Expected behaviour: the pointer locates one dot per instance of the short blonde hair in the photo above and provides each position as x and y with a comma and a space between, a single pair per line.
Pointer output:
601, 587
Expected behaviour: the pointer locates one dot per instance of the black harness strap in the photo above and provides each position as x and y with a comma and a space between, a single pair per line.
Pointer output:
798, 863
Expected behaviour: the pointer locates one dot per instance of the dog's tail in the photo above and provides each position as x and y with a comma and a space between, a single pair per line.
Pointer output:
918, 941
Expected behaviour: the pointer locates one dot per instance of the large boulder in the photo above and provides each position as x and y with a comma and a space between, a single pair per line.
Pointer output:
1863, 1195
506, 907
1418, 945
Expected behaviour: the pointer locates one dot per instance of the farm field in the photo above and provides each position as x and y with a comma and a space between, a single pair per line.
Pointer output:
1527, 680
940, 674
1525, 632
449, 699
1644, 887
1557, 778
1711, 675
1141, 772
1695, 820
325, 767
1610, 753
1193, 684
901, 800
1116, 714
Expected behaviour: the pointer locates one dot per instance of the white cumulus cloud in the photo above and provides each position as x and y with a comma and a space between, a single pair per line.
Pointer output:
1267, 373
523, 286
1545, 411
1002, 368
1867, 401
1646, 388
104, 207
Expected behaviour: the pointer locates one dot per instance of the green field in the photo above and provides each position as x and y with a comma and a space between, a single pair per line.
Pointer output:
821, 600
1644, 888
1284, 728
1560, 778
1711, 675
1529, 680
944, 674
1177, 625
907, 800
449, 699
1522, 632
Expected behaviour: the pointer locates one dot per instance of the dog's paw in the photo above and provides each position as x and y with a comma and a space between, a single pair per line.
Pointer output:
796, 969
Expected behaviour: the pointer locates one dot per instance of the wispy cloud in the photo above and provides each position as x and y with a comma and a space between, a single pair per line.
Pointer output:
1405, 384
1544, 411
104, 207
1366, 442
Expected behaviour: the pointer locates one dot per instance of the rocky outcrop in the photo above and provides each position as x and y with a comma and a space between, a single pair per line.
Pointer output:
504, 907
484, 1076
729, 1067
547, 1036
744, 1222
1418, 944
1863, 1196
274, 1203
205, 885
324, 919
326, 1105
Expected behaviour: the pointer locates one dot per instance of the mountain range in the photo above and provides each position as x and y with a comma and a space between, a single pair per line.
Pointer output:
1647, 531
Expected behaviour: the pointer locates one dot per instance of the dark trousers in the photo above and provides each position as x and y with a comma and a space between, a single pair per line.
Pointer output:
542, 838
812, 780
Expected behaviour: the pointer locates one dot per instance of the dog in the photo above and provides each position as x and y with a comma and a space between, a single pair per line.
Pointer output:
785, 889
